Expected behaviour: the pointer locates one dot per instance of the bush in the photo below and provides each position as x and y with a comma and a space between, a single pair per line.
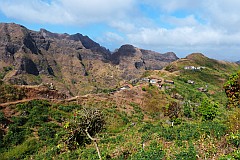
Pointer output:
234, 139
86, 121
232, 119
172, 110
208, 110
19, 121
187, 110
189, 154
2, 118
47, 131
36, 111
15, 135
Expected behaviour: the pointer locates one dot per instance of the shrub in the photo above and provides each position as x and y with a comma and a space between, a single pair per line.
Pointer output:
86, 121
234, 139
19, 121
37, 112
172, 110
2, 118
16, 135
189, 154
47, 131
232, 119
187, 110
208, 110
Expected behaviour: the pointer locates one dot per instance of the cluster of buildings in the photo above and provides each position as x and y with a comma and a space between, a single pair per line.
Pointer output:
194, 68
154, 81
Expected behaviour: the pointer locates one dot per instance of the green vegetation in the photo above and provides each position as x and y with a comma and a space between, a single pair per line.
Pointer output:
10, 93
177, 121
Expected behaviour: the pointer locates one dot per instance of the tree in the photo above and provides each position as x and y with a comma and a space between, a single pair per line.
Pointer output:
173, 110
232, 90
83, 126
208, 109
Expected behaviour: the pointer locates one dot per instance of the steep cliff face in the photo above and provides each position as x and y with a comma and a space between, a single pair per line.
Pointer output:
74, 63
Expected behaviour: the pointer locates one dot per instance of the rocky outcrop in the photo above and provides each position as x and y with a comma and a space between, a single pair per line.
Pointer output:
134, 61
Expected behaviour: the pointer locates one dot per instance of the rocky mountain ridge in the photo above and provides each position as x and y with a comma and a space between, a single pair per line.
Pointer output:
74, 63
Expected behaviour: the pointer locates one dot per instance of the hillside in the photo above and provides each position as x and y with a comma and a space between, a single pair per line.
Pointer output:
75, 64
179, 112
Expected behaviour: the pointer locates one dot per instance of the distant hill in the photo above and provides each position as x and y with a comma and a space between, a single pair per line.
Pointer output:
75, 64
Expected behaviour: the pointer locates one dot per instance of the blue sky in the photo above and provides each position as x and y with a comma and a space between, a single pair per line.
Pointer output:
211, 27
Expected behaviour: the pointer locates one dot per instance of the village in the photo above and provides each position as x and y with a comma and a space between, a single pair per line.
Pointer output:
161, 83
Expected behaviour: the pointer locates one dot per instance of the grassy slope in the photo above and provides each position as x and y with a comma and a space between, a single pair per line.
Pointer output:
136, 129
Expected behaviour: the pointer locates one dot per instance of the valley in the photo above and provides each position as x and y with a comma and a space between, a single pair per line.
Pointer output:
66, 97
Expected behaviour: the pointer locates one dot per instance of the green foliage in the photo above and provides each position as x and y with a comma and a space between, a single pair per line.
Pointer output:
137, 112
10, 93
234, 139
36, 112
232, 90
187, 110
8, 68
47, 131
22, 151
15, 135
208, 110
187, 131
233, 118
154, 151
232, 156
190, 154
19, 120
2, 118
68, 108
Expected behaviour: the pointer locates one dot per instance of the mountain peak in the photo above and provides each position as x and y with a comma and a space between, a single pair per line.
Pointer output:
195, 56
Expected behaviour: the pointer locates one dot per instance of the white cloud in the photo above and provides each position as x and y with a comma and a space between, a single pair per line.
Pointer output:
174, 37
74, 12
111, 40
189, 20
173, 5
35, 11
185, 40
122, 26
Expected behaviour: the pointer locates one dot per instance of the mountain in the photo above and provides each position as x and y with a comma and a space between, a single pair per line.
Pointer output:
238, 62
75, 64
134, 61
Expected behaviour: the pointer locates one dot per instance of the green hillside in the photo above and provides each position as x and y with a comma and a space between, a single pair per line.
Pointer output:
188, 118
